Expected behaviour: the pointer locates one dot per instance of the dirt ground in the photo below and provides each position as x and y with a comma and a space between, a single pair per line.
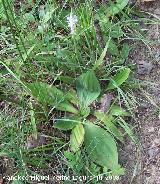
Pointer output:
144, 167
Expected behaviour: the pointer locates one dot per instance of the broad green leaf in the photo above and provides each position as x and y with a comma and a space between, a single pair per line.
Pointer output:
112, 48
125, 51
71, 159
16, 182
29, 17
116, 7
48, 16
106, 26
66, 79
50, 95
118, 171
119, 78
118, 111
116, 32
75, 160
104, 21
66, 106
100, 146
45, 93
77, 137
69, 155
66, 124
88, 88
85, 112
72, 97
107, 120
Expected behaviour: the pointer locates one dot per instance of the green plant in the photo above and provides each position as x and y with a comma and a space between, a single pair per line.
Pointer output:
57, 77
99, 142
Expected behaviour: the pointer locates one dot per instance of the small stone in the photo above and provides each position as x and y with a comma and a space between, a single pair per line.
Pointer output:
151, 129
144, 67
157, 11
32, 142
152, 152
157, 141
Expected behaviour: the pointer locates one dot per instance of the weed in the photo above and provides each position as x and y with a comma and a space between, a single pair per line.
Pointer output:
57, 62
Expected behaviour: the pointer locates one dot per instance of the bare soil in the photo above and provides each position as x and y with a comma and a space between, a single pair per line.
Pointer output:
143, 167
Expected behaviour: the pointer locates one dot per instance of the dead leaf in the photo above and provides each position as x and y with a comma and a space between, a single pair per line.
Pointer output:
32, 142
105, 102
1, 180
144, 67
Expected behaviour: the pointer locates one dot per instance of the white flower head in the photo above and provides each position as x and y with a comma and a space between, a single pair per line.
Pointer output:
72, 20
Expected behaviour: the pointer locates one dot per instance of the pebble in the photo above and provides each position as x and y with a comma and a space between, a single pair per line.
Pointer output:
144, 67
152, 152
157, 11
151, 129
